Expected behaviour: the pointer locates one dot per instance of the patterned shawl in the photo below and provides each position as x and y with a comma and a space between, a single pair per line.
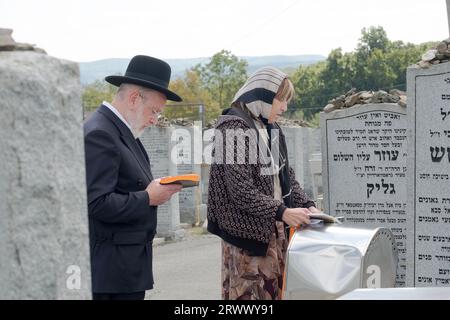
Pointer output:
260, 90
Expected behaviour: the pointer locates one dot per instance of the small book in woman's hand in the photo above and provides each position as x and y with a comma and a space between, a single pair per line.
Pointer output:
324, 217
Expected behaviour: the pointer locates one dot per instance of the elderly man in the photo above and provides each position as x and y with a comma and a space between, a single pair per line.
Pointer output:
122, 194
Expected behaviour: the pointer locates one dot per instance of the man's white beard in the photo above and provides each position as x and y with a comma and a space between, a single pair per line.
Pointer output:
135, 124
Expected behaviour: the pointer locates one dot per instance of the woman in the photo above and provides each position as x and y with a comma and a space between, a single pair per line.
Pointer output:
251, 202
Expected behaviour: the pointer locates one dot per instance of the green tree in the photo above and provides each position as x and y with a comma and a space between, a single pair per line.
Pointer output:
192, 90
377, 63
337, 75
372, 39
402, 55
95, 93
222, 76
370, 52
378, 72
308, 87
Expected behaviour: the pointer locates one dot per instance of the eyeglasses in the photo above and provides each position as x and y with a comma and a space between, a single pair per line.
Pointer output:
155, 114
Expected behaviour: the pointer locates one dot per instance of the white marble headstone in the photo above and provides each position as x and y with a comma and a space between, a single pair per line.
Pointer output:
157, 142
364, 159
188, 141
303, 144
429, 171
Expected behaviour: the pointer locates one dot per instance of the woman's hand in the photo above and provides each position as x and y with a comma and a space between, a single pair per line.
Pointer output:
314, 210
294, 217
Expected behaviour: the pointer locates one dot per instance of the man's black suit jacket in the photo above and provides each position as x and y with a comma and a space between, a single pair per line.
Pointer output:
122, 224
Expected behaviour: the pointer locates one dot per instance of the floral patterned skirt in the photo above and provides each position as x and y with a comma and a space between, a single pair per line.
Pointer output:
246, 277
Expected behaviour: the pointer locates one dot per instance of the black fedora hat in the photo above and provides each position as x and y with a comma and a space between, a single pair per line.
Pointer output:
147, 72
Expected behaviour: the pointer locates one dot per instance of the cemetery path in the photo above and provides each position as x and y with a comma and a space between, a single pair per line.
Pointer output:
189, 269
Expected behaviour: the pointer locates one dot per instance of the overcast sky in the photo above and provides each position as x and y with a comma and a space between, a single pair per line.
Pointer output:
85, 30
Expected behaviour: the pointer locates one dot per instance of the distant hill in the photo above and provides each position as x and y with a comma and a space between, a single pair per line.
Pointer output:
97, 70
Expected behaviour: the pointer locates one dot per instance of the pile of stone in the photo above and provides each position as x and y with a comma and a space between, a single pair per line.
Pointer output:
440, 54
7, 43
211, 124
353, 98
165, 122
283, 122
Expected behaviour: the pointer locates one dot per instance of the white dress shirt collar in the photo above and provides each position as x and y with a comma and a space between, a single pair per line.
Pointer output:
117, 113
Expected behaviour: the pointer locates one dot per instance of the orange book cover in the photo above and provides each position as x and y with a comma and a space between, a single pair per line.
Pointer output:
186, 180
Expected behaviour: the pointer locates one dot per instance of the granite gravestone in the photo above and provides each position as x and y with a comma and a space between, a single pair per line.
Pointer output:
185, 166
296, 152
157, 142
428, 173
302, 143
188, 141
208, 138
44, 242
314, 161
364, 172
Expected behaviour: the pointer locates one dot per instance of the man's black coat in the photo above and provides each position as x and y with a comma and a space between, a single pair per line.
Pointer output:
122, 224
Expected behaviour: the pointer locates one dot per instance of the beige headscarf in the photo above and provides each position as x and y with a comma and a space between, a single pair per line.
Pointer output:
260, 90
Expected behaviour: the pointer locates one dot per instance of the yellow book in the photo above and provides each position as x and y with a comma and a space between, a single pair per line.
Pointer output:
186, 180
